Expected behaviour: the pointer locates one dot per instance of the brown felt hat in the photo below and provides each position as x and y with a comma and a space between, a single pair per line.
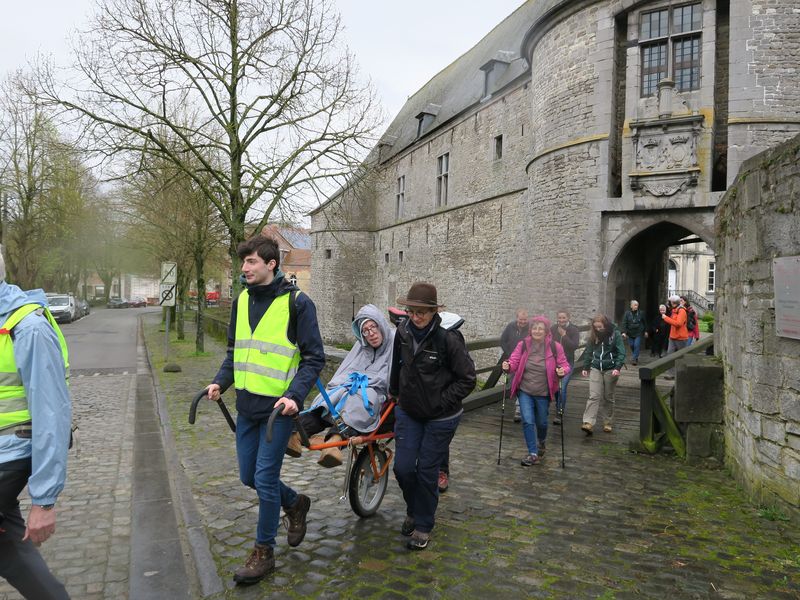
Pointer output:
421, 295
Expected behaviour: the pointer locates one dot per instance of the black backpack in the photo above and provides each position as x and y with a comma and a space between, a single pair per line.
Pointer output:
691, 320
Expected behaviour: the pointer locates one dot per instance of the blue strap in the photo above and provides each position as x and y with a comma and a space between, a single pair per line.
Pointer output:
356, 382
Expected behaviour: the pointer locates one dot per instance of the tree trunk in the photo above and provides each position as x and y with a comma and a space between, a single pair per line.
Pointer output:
199, 339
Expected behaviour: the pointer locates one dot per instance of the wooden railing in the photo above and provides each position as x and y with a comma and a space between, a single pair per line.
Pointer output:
656, 420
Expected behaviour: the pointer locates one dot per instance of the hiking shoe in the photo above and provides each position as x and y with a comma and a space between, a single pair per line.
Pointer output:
529, 461
607, 428
296, 517
407, 528
444, 482
294, 448
557, 421
331, 457
634, 362
418, 541
587, 427
542, 448
517, 418
260, 563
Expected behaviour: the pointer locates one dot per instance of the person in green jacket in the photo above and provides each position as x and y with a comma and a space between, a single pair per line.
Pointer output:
602, 360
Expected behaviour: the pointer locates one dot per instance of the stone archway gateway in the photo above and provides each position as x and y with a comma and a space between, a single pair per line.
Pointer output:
639, 267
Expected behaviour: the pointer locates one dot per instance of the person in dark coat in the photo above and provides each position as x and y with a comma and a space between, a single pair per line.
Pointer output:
659, 334
566, 334
512, 335
432, 372
634, 330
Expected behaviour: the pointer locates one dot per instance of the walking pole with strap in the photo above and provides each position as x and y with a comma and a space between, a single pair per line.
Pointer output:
502, 417
561, 418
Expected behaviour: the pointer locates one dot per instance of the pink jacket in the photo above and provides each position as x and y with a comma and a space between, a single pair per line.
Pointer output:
520, 357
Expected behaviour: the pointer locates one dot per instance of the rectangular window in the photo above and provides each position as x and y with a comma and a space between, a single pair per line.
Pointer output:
400, 256
670, 41
654, 25
400, 198
686, 58
498, 147
442, 176
328, 253
386, 258
654, 67
712, 277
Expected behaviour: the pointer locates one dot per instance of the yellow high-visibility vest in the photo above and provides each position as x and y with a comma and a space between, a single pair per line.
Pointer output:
264, 361
14, 410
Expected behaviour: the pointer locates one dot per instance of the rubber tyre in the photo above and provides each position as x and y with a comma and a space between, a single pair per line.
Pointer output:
366, 495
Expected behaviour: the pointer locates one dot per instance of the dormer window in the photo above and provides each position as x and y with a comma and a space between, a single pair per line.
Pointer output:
426, 117
493, 69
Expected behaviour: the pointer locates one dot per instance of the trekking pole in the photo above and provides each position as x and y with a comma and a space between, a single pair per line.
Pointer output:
561, 418
502, 417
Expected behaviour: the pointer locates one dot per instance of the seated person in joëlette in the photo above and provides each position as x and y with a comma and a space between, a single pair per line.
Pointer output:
357, 390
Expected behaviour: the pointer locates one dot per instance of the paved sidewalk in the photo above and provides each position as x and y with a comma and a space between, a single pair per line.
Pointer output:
612, 525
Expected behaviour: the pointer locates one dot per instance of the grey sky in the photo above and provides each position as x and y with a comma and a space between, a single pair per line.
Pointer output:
399, 44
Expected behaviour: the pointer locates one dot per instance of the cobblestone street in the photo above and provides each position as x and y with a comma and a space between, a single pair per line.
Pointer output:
90, 551
611, 525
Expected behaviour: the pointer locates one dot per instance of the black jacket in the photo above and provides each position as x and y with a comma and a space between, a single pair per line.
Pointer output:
431, 382
634, 323
570, 341
511, 337
305, 335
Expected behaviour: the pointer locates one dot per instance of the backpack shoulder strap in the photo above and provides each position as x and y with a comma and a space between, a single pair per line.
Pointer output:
293, 313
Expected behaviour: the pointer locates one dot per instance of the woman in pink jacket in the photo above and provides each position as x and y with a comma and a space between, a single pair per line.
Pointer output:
537, 363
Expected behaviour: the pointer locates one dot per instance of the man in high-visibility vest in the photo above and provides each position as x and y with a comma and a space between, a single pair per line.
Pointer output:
35, 418
274, 356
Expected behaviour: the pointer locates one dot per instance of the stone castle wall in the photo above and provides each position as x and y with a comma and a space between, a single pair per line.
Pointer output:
764, 89
757, 221
575, 201
472, 249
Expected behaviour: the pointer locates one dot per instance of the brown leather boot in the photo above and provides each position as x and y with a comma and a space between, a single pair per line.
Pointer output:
260, 563
294, 448
296, 517
331, 457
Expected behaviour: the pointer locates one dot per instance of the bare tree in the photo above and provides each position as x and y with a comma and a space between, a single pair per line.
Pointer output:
269, 87
175, 221
30, 149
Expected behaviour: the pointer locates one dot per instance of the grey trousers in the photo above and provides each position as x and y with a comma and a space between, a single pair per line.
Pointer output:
602, 385
20, 562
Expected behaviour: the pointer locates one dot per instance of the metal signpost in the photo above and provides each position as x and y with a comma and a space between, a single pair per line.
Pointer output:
167, 293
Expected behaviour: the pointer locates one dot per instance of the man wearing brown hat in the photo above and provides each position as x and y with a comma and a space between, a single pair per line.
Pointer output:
431, 374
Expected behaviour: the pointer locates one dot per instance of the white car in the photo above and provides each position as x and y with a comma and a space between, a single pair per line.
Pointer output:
63, 307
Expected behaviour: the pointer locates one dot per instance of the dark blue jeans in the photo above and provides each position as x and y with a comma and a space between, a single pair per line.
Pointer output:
561, 400
636, 345
420, 447
20, 562
260, 468
534, 411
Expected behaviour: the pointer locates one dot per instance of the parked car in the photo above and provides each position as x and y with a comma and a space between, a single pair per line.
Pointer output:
137, 302
63, 307
118, 303
83, 307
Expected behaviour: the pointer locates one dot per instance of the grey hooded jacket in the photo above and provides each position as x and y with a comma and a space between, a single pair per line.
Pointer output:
373, 362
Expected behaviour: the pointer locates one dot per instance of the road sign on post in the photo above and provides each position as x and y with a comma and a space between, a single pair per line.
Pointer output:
167, 294
169, 273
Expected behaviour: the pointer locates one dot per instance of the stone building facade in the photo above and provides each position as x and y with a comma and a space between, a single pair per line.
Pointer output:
555, 162
758, 221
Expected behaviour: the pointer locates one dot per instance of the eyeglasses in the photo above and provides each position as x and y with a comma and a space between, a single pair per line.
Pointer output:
369, 330
418, 312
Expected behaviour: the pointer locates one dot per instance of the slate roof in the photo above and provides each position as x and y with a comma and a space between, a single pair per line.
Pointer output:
460, 85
